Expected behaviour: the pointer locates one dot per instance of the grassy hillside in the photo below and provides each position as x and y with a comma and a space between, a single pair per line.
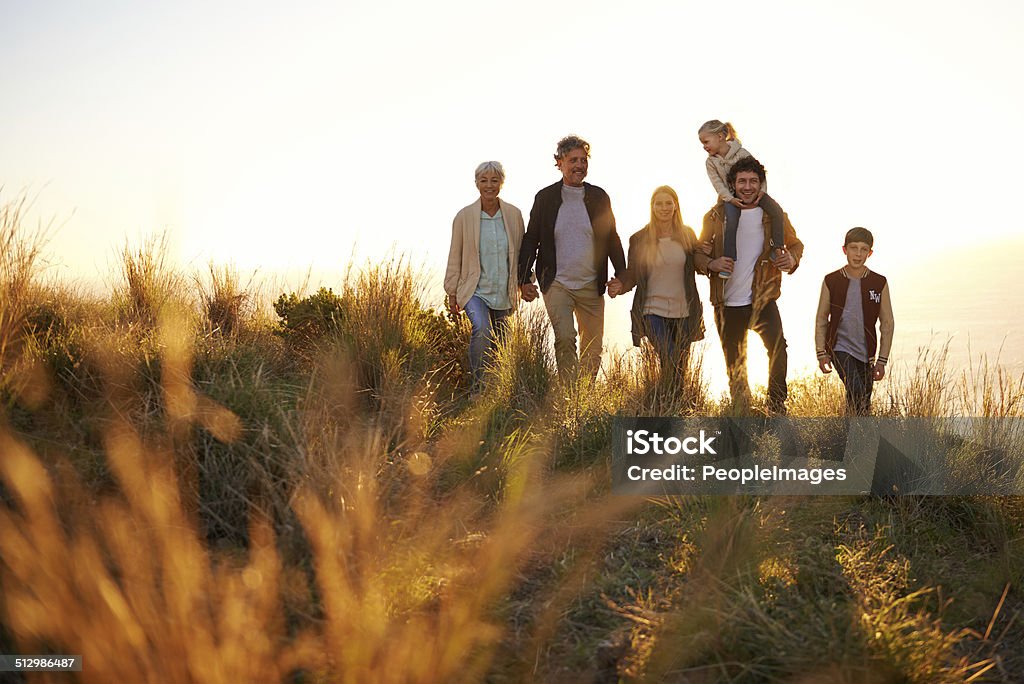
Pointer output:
198, 486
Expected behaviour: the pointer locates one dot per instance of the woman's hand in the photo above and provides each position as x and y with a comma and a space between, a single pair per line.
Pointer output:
737, 202
453, 305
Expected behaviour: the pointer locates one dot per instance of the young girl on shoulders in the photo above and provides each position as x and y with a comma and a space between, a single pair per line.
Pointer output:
724, 149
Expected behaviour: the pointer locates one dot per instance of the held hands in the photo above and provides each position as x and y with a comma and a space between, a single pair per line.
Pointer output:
529, 292
878, 372
614, 287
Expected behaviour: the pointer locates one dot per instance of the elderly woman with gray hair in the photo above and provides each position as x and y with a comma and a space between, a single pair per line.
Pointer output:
482, 265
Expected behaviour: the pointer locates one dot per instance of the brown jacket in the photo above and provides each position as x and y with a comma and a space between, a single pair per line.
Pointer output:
767, 278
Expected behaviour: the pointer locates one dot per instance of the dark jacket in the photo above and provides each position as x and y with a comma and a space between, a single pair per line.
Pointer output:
643, 246
539, 240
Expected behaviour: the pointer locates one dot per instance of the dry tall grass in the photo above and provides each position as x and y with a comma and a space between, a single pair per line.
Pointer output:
149, 282
225, 302
273, 505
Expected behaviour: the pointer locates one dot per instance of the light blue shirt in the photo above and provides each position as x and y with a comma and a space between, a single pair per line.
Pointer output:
493, 284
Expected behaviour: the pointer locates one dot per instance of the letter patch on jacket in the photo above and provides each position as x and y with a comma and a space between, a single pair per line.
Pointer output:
876, 297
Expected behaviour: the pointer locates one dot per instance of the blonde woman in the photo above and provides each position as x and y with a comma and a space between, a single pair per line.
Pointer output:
666, 307
482, 265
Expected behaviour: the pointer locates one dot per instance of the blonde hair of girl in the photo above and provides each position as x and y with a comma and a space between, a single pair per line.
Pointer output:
715, 126
685, 237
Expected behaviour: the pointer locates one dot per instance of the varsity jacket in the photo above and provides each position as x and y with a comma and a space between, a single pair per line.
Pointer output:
643, 250
539, 240
767, 277
875, 304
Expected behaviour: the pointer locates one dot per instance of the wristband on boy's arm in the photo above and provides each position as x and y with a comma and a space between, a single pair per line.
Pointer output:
884, 360
822, 354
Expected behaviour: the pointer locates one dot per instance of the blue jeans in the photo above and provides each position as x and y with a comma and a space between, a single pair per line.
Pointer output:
488, 324
670, 338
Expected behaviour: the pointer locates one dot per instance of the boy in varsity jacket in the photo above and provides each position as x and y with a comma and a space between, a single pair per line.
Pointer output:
854, 300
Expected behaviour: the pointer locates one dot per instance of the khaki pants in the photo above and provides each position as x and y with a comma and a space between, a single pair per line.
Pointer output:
588, 307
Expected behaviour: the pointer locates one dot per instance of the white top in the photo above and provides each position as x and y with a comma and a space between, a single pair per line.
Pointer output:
739, 289
666, 293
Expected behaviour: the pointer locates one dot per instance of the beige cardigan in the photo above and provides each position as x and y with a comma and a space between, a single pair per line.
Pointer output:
463, 271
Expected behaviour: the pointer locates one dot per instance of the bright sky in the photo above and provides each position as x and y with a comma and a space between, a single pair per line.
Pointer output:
279, 135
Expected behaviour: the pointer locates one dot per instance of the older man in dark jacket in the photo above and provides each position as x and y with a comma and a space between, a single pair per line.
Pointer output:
571, 236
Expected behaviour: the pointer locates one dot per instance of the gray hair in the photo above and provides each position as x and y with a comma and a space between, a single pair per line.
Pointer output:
570, 143
494, 166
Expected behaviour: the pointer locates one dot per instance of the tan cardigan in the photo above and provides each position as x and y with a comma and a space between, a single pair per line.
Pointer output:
463, 271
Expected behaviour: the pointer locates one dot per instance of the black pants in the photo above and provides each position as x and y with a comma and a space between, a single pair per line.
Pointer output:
733, 323
858, 376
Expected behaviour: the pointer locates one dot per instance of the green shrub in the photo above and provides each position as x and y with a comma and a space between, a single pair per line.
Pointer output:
305, 319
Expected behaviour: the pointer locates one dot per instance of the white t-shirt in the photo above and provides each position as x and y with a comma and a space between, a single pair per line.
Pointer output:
666, 290
739, 289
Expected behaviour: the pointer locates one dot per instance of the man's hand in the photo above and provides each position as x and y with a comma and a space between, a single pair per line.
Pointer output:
453, 305
722, 263
825, 366
614, 287
529, 292
785, 262
879, 371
